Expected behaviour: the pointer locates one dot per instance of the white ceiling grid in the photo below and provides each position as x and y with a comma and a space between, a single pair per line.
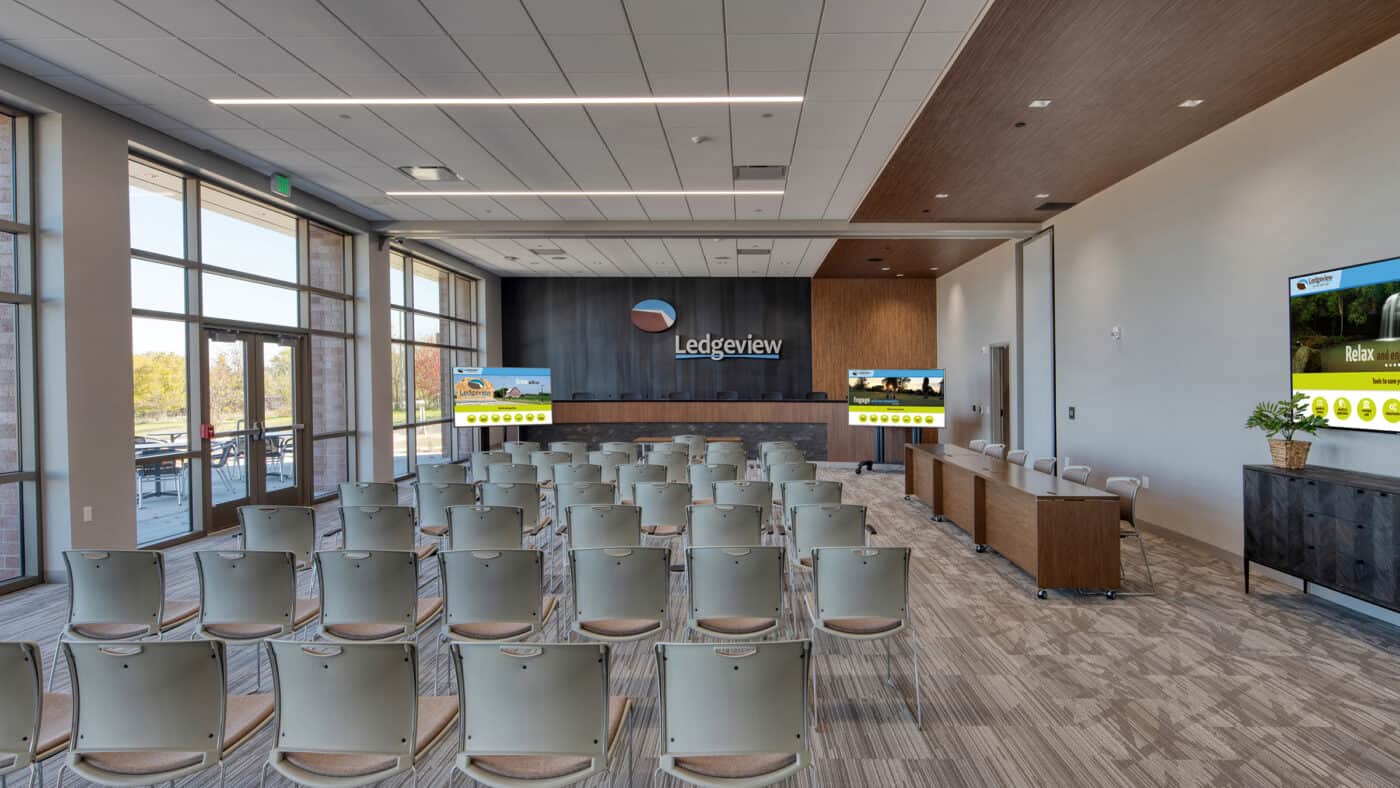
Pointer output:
864, 66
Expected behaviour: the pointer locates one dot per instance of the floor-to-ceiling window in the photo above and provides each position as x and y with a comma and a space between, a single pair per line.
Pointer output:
19, 511
241, 324
434, 327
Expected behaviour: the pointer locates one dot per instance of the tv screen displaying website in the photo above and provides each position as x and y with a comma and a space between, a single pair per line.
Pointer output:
496, 396
895, 398
1344, 327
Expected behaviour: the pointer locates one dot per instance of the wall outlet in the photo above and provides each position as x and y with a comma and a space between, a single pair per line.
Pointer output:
87, 514
1146, 482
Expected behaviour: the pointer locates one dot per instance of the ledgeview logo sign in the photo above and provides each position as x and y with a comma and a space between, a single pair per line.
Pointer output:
720, 348
1316, 283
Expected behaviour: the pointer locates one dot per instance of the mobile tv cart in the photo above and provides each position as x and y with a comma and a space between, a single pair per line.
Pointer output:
869, 465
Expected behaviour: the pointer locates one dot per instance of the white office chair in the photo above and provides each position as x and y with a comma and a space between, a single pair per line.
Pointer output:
544, 462
434, 499
977, 445
765, 446
780, 474
1126, 488
577, 451
567, 496
997, 450
606, 525
608, 462
632, 450
442, 473
511, 473
702, 478
620, 593
247, 597
1018, 457
745, 493
736, 593
372, 595
381, 528
369, 494
629, 476
525, 496
34, 725
728, 453
663, 506
493, 596
674, 461
565, 473
807, 491
485, 528
1045, 465
482, 460
1079, 474
723, 525
783, 456
696, 446
520, 451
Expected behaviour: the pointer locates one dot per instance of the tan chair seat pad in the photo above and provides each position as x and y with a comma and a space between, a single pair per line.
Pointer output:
304, 611
109, 631
434, 530
425, 551
427, 608
661, 530
862, 625
244, 715
177, 612
703, 501
434, 715
620, 627
805, 560
737, 767
626, 502
56, 723
550, 767
500, 630
736, 625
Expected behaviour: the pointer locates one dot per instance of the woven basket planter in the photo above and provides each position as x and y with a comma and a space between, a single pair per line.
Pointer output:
1292, 455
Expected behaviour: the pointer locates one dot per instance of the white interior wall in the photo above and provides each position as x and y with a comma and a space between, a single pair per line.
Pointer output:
976, 309
1036, 361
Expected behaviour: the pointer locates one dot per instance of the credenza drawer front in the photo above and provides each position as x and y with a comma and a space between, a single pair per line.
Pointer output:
1355, 557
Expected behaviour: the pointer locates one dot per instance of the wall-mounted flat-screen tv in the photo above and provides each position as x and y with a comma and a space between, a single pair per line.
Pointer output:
1344, 327
497, 396
894, 397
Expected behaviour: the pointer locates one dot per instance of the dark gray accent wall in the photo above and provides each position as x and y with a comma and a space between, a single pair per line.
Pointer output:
582, 330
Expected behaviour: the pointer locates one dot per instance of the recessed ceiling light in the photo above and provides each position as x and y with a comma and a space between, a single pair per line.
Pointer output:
1189, 103
1039, 104
430, 173
1042, 195
897, 276
933, 268
582, 193
885, 268
941, 196
496, 101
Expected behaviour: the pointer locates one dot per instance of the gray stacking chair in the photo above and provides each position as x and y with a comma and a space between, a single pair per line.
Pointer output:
372, 595
434, 499
1018, 456
369, 494
724, 525
544, 462
977, 445
577, 450
512, 473
279, 528
758, 494
442, 473
520, 451
695, 445
997, 450
608, 462
663, 506
147, 713
247, 597
494, 596
552, 724
565, 473
524, 495
118, 595
482, 460
381, 528
350, 713
736, 593
1126, 488
862, 593
778, 475
765, 446
1045, 465
605, 525
629, 476
632, 450
485, 528
675, 463
620, 593
571, 494
806, 491
781, 457
1079, 474
703, 477
728, 453
734, 715
34, 725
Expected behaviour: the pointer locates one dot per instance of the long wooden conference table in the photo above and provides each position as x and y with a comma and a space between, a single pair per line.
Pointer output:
1064, 534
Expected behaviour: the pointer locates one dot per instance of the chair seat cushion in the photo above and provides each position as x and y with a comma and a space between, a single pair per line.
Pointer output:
703, 501
805, 560
245, 715
55, 724
427, 608
550, 767
501, 630
434, 530
434, 715
426, 551
661, 530
109, 631
626, 502
737, 767
304, 611
177, 612
862, 625
620, 627
736, 625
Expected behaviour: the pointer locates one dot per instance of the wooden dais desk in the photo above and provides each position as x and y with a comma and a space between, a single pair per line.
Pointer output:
1064, 534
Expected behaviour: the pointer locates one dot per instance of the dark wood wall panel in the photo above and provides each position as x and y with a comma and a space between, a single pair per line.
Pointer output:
582, 330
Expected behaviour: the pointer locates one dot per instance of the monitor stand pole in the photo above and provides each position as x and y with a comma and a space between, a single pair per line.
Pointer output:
879, 452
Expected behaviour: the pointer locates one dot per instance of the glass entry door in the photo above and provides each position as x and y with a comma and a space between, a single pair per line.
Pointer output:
256, 436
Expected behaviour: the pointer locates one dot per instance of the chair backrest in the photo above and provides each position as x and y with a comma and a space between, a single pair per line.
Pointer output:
565, 473
485, 527
724, 525
861, 582
575, 493
116, 587
632, 450
482, 460
558, 707
513, 473
368, 587
758, 494
735, 581
520, 451
434, 499
629, 476
607, 462
766, 446
997, 450
629, 395
377, 527
246, 587
800, 493
771, 395
727, 395
290, 528
525, 495
680, 395
1045, 465
442, 473
726, 453
369, 494
606, 525
584, 395
782, 456
662, 503
719, 699
703, 477
1126, 488
492, 586
816, 395
827, 525
156, 696
977, 445
346, 698
778, 475
544, 462
620, 583
695, 444
1018, 456
675, 462
22, 698
1078, 474
577, 450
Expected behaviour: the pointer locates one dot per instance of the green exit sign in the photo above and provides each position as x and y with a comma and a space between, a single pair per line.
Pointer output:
281, 185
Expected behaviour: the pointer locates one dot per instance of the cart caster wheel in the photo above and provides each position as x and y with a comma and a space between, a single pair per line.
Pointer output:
1111, 594
1041, 594
981, 548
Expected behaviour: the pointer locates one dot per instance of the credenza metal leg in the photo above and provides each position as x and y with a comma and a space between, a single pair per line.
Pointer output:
981, 548
1041, 594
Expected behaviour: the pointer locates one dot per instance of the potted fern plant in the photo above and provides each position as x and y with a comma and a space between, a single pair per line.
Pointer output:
1285, 418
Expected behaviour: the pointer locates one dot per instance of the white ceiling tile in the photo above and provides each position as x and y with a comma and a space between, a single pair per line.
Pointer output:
545, 84
703, 208
833, 123
649, 17
948, 16
765, 207
929, 51
165, 55
98, 18
772, 16
714, 118
768, 83
475, 118
687, 255
846, 85
682, 53
636, 124
20, 21
29, 63
510, 54
757, 145
664, 208
870, 16
83, 87
595, 54
251, 55
148, 88
79, 55
376, 17
706, 166
214, 85
388, 85
481, 17
291, 85
620, 208
192, 17
695, 83
200, 114
910, 85
647, 167
333, 55
151, 116
288, 17
765, 116
854, 51
573, 209
610, 84
250, 139
578, 17
463, 85
422, 54
275, 117
770, 52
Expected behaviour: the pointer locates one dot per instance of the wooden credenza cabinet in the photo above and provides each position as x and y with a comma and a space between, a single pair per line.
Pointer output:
1336, 528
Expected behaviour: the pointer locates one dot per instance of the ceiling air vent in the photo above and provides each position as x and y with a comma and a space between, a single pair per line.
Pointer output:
430, 173
548, 252
760, 172
1055, 206
755, 251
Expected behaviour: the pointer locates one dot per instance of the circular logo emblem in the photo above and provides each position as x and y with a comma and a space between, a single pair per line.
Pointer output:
653, 315
1366, 409
1392, 411
1319, 406
1342, 407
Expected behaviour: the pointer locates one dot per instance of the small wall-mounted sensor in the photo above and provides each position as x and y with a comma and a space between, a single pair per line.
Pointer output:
1116, 332
1071, 413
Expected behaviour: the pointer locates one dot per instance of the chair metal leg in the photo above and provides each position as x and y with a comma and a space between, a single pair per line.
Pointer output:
889, 666
262, 775
816, 692
56, 648
918, 687
1145, 563
62, 769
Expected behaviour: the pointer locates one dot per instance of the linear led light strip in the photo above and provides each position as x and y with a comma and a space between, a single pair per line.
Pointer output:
511, 100
639, 193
